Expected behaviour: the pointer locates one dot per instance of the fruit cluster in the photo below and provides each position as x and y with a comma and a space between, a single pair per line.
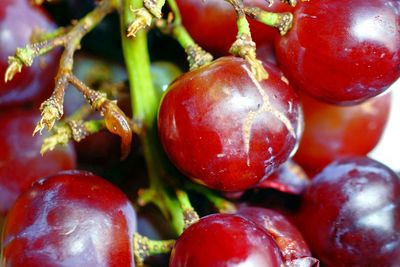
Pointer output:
209, 133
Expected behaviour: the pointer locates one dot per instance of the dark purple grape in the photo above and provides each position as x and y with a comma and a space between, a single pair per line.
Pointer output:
350, 215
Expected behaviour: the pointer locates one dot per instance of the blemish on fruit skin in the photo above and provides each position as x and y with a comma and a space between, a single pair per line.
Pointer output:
285, 80
265, 107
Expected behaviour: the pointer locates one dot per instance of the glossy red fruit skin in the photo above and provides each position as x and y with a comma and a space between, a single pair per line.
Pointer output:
17, 21
342, 52
21, 163
70, 219
210, 127
212, 23
290, 241
331, 132
289, 178
225, 240
350, 215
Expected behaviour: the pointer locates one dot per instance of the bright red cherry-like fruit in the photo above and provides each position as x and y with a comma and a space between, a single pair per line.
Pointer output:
212, 23
18, 20
342, 52
350, 215
290, 241
225, 240
70, 219
332, 131
21, 163
224, 129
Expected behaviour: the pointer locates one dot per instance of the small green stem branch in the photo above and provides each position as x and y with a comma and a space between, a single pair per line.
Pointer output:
281, 21
244, 45
220, 203
145, 102
196, 56
63, 132
144, 247
75, 130
190, 216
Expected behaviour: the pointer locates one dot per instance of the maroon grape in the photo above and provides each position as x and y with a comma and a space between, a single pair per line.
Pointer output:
224, 129
21, 163
213, 26
350, 215
288, 178
224, 240
70, 219
18, 20
340, 51
331, 132
291, 243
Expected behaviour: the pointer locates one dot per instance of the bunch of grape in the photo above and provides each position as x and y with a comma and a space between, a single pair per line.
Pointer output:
171, 152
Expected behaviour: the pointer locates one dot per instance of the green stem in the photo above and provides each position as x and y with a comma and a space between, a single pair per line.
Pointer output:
177, 14
222, 205
143, 96
45, 36
144, 102
244, 45
182, 36
178, 31
144, 247
241, 20
196, 55
190, 216
268, 18
282, 21
243, 26
94, 126
184, 200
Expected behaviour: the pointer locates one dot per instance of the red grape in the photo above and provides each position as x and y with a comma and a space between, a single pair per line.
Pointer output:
212, 23
18, 19
70, 219
292, 245
266, 53
342, 52
350, 215
224, 129
224, 240
288, 178
332, 131
20, 161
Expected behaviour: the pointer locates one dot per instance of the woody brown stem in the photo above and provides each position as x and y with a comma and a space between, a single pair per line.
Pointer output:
115, 119
52, 108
